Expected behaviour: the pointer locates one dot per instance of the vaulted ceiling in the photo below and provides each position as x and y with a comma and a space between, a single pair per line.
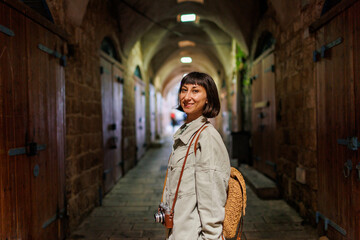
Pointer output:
155, 24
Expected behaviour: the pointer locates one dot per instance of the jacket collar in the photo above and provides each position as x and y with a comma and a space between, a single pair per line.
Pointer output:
190, 129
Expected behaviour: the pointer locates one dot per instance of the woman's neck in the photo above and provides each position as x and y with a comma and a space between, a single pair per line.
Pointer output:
190, 118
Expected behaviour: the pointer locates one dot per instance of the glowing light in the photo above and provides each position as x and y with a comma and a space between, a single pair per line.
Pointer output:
186, 43
188, 17
186, 60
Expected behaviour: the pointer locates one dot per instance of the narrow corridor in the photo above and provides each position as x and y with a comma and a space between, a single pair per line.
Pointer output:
127, 211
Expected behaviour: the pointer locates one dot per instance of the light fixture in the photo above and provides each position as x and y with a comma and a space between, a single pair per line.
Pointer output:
186, 43
191, 17
197, 1
186, 60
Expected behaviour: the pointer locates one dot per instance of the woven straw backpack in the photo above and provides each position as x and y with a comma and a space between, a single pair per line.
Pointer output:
235, 203
235, 206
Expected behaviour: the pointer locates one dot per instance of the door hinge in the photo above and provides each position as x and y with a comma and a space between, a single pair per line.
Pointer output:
270, 69
7, 31
328, 222
352, 143
320, 53
59, 214
53, 53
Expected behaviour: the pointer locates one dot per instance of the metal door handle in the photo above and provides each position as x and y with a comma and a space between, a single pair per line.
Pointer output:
347, 168
358, 170
352, 143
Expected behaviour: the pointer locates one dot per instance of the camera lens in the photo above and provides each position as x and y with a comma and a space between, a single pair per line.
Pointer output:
159, 217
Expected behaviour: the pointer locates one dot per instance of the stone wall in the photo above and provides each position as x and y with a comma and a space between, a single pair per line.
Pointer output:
295, 104
84, 151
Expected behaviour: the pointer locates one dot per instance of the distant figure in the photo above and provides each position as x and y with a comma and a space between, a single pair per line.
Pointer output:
173, 120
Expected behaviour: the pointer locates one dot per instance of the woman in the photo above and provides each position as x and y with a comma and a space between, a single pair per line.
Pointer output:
200, 206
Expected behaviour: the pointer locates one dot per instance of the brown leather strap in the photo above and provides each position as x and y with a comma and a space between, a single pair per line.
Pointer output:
182, 170
162, 196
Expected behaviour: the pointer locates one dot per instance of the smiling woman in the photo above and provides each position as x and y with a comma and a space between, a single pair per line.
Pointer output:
197, 205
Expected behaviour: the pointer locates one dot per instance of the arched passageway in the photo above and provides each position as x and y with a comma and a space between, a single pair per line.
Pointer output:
87, 89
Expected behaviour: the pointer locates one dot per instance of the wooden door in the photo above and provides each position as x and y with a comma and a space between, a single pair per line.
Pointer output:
46, 101
263, 114
15, 171
256, 131
111, 94
338, 114
140, 117
152, 113
32, 114
118, 111
109, 143
355, 12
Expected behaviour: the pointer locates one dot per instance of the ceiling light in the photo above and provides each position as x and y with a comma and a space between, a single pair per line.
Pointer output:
186, 60
197, 1
188, 17
186, 43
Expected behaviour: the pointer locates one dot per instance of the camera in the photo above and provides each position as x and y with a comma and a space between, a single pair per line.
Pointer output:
164, 215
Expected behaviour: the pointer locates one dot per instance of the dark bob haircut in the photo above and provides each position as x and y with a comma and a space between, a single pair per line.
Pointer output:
212, 108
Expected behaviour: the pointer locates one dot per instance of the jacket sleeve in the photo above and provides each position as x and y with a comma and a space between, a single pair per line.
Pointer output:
212, 171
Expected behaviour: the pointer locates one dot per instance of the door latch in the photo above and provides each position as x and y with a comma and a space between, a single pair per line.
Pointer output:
352, 143
31, 149
347, 168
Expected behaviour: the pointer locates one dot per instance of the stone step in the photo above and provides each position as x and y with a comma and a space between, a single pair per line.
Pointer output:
264, 187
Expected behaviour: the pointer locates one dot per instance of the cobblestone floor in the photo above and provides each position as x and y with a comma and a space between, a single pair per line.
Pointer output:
127, 211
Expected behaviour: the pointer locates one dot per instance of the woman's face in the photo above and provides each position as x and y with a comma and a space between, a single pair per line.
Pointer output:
192, 100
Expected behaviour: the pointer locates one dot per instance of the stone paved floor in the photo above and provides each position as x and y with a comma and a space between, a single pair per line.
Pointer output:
127, 211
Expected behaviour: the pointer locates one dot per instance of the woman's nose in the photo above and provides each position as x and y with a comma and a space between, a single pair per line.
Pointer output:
187, 96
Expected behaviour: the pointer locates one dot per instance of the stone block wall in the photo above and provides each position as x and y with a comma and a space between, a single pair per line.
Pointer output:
84, 154
296, 105
84, 150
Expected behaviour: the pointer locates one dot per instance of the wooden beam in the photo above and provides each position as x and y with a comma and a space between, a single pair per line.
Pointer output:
333, 12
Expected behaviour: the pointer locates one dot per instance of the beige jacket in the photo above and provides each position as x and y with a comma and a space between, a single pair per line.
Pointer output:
200, 208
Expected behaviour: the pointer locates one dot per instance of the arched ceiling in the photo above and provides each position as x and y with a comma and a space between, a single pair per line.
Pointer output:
155, 24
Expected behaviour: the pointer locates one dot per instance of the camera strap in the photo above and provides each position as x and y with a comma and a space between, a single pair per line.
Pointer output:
182, 170
202, 128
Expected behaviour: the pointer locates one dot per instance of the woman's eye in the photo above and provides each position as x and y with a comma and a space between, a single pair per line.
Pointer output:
195, 91
183, 90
